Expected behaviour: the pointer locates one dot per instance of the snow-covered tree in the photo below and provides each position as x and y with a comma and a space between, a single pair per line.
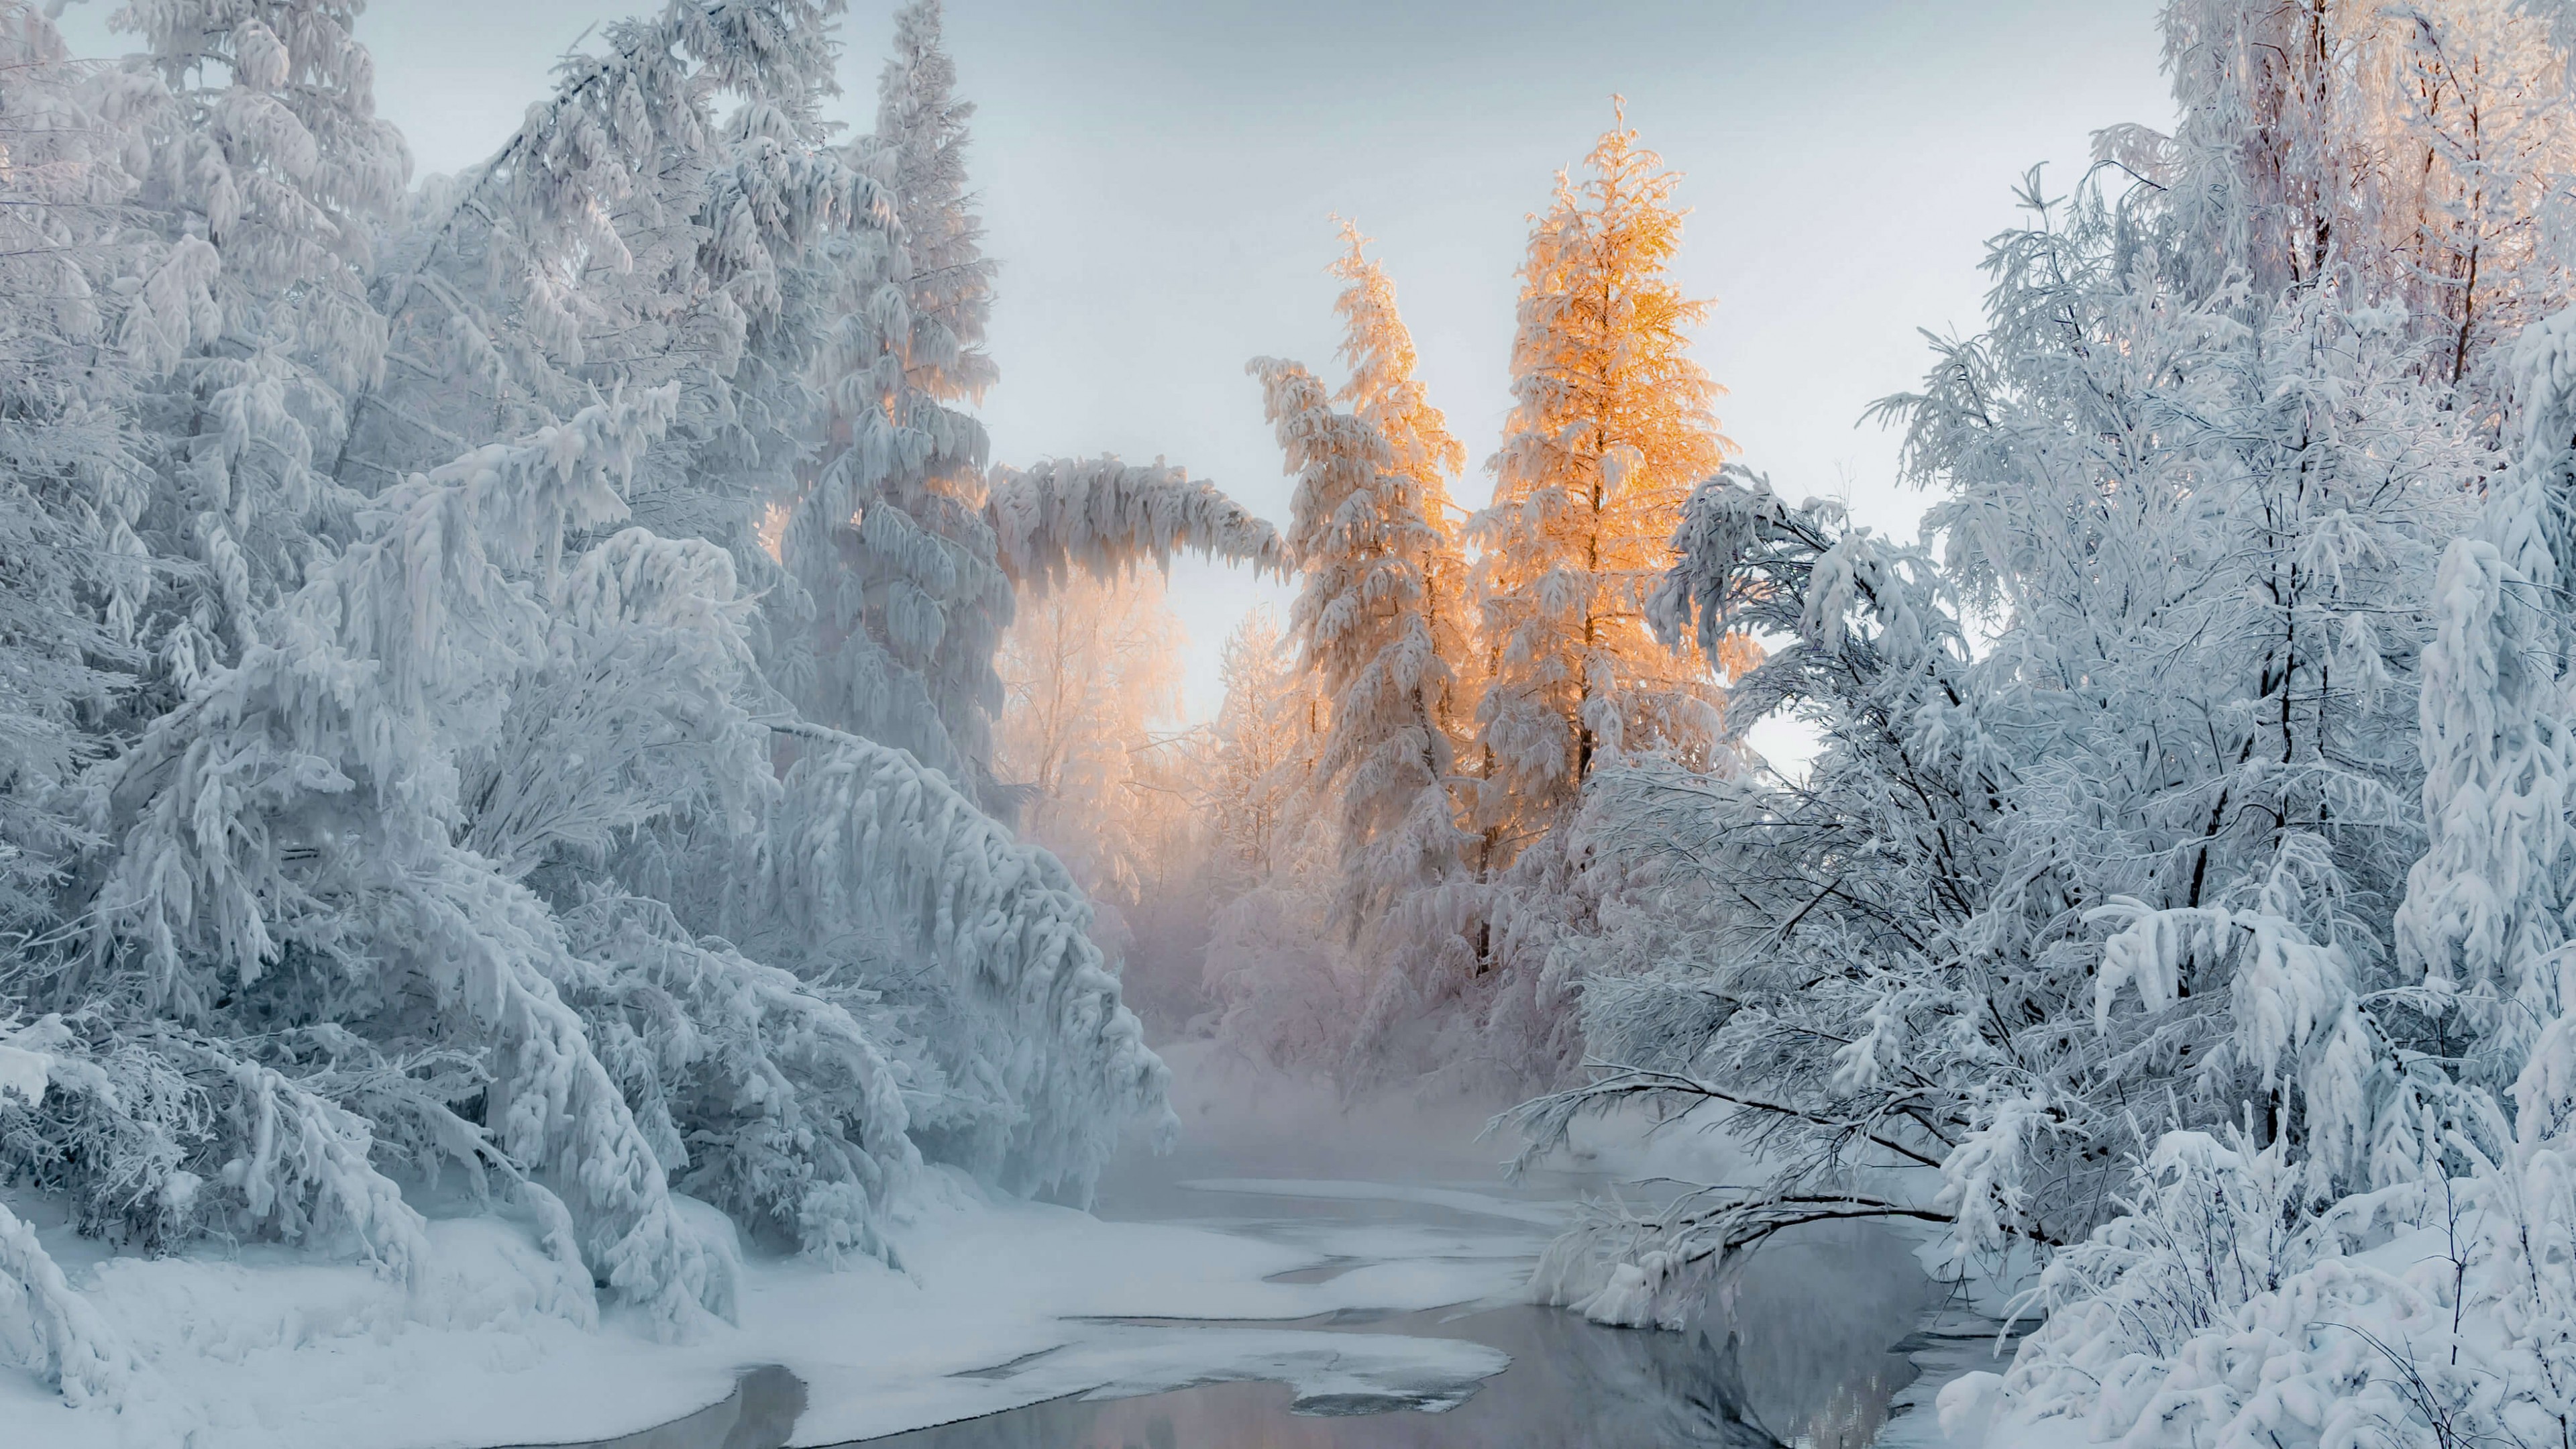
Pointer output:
2126, 867
1284, 982
2413, 153
466, 822
1091, 685
2486, 908
1370, 543
265, 176
73, 574
1383, 392
1381, 617
1265, 737
889, 541
2224, 1252
289, 853
1609, 430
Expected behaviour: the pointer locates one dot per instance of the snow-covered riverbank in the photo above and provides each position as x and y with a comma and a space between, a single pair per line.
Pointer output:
1285, 1242
266, 1349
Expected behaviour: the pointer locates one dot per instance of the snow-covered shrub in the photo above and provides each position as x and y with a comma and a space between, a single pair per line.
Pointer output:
2227, 1307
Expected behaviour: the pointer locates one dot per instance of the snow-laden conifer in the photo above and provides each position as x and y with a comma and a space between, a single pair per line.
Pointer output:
1285, 982
2405, 153
1370, 544
2486, 907
289, 843
265, 176
1610, 428
1044, 1062
466, 829
1382, 391
74, 575
888, 544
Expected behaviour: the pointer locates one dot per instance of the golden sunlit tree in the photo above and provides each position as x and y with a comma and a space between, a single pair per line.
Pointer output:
1379, 619
1383, 392
1610, 429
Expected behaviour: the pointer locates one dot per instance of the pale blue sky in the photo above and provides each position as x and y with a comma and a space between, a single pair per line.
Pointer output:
1157, 176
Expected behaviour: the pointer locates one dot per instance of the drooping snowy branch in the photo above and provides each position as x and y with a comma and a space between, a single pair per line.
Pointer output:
1103, 517
868, 839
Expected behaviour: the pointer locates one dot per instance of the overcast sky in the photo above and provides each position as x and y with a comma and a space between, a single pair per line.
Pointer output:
1157, 177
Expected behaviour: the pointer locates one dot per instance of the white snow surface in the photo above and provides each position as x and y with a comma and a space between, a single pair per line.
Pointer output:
1000, 1303
24, 1072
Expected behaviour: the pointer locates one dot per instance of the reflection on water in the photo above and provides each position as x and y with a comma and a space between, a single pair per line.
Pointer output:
1571, 1386
1815, 1315
1795, 1347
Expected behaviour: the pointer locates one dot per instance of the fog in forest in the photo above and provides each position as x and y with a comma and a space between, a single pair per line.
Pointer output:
758, 722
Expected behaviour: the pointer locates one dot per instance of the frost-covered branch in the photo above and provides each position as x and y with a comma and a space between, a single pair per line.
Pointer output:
1103, 517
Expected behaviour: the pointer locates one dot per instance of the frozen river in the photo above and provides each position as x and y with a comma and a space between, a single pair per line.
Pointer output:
1807, 1346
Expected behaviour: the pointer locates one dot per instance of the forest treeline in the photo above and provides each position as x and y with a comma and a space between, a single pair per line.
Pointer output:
532, 679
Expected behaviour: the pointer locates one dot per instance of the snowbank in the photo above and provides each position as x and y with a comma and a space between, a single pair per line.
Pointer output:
999, 1304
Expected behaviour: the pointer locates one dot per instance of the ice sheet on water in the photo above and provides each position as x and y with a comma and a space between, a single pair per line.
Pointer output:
1329, 1373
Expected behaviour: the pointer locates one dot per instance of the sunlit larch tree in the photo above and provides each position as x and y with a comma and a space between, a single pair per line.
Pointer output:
1611, 426
1371, 538
2128, 865
1383, 392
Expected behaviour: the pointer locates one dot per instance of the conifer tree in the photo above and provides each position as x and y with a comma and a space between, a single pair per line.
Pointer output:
456, 833
2487, 904
265, 175
1378, 619
73, 573
1265, 735
888, 542
1284, 981
905, 549
1610, 429
1383, 392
